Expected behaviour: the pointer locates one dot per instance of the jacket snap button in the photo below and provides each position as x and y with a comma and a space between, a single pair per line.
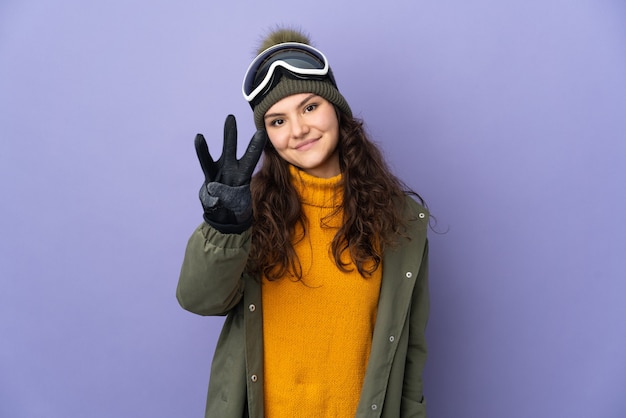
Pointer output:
409, 274
422, 215
374, 407
252, 308
254, 378
392, 339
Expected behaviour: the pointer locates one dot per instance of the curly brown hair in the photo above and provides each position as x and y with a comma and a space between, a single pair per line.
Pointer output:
373, 203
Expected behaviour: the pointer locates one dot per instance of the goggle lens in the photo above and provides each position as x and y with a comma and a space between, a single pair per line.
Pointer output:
300, 60
296, 59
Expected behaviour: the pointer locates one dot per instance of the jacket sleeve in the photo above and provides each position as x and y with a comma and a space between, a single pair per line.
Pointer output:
211, 280
413, 402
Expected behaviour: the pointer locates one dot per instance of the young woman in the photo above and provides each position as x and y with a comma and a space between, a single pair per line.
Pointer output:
319, 260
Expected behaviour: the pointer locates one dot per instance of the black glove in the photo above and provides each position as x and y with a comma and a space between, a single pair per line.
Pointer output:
225, 194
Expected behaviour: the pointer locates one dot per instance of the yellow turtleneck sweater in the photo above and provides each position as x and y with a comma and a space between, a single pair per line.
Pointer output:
317, 332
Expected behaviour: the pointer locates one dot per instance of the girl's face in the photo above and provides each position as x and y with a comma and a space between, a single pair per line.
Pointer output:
304, 130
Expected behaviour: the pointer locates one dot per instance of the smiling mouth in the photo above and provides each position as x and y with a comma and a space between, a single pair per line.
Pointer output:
306, 144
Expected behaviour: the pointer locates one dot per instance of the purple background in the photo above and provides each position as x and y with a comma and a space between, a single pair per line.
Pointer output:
508, 117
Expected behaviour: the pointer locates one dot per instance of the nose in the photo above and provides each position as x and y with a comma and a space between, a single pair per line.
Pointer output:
299, 128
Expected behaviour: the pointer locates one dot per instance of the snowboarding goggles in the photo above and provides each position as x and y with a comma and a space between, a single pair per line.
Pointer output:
291, 59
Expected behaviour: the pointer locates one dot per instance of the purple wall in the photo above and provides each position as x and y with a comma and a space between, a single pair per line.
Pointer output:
509, 118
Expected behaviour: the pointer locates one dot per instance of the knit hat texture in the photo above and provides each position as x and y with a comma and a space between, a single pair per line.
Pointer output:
288, 86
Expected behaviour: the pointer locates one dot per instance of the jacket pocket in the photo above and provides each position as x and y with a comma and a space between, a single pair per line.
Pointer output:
413, 409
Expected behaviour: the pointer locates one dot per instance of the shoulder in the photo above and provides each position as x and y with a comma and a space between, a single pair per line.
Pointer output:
416, 221
414, 212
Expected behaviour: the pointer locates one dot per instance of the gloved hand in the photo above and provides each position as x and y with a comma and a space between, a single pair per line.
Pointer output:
225, 194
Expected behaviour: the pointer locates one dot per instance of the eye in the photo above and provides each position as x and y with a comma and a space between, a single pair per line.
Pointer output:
277, 122
310, 107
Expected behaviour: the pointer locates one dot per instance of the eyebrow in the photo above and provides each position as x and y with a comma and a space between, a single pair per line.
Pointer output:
306, 99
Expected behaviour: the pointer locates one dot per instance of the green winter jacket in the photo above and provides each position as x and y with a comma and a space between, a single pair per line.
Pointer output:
213, 281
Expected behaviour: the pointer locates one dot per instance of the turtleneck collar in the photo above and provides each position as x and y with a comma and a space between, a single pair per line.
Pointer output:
316, 191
